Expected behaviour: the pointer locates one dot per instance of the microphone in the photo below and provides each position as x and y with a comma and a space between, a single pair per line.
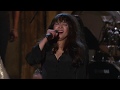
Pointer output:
49, 35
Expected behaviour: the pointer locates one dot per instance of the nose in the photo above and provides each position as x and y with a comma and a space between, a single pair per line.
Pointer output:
60, 26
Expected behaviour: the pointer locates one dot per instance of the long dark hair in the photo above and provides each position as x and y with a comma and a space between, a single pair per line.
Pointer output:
73, 44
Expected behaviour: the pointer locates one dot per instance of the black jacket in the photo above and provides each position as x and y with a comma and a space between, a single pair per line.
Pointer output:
53, 68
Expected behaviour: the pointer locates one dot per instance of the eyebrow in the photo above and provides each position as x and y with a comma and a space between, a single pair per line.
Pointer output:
60, 22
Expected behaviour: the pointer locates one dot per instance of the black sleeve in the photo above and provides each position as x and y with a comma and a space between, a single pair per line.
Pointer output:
35, 56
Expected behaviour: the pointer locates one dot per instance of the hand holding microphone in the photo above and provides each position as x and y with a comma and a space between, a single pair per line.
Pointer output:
51, 34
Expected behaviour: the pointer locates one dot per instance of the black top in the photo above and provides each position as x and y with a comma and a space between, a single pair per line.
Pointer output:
56, 69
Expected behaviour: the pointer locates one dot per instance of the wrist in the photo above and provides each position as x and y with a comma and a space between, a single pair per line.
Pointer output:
45, 39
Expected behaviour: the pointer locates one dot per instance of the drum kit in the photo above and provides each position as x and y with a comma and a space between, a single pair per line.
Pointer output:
105, 63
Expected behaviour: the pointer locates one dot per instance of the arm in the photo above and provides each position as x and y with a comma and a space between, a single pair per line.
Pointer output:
42, 43
16, 22
14, 31
38, 52
36, 55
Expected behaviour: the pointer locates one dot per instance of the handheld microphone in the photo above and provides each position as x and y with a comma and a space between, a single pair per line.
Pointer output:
49, 35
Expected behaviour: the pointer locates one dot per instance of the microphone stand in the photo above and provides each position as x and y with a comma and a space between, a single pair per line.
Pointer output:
33, 16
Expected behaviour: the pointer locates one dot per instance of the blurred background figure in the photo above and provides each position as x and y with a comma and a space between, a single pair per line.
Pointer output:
6, 33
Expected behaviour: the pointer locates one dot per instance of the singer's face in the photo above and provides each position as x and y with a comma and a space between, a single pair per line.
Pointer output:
62, 28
